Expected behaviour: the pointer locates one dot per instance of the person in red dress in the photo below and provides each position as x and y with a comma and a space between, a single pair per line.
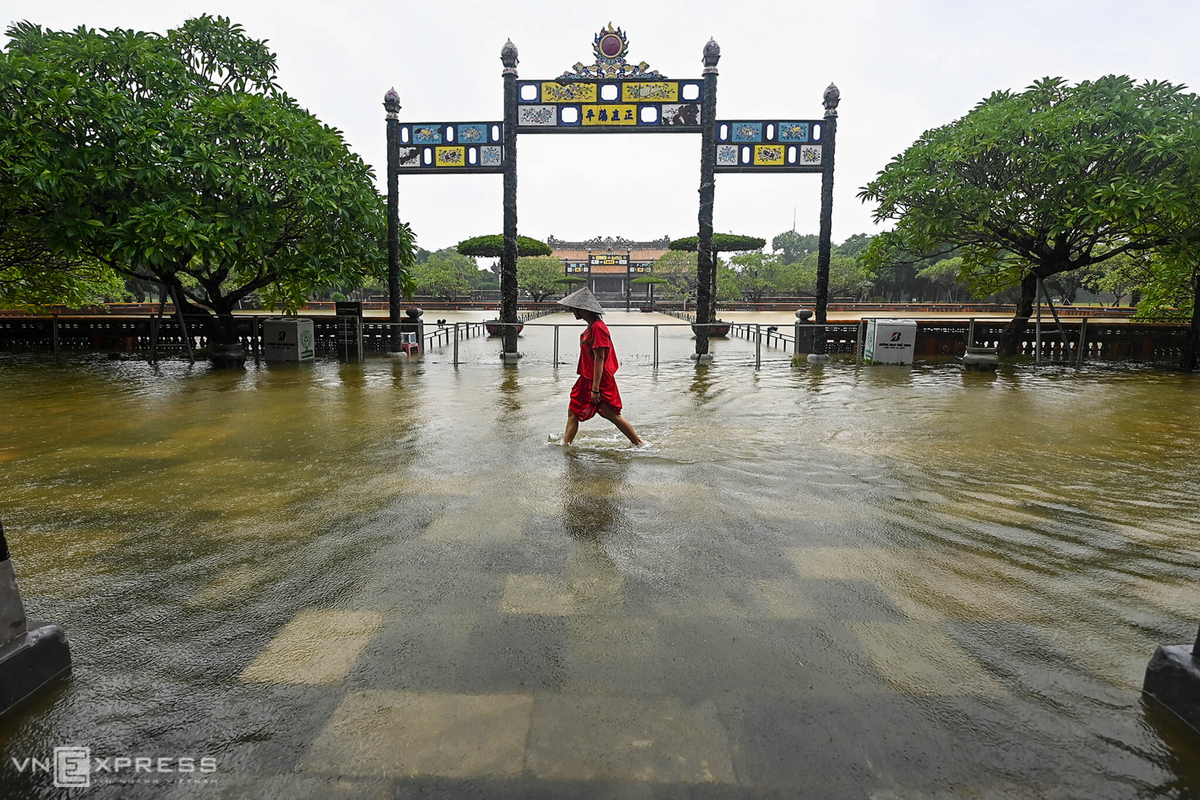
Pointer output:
595, 391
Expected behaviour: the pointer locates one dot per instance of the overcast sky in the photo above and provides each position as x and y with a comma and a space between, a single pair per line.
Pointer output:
902, 68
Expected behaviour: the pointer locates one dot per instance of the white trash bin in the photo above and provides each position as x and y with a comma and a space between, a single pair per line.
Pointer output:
288, 339
890, 341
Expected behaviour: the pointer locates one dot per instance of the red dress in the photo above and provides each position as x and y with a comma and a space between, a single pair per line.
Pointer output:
595, 337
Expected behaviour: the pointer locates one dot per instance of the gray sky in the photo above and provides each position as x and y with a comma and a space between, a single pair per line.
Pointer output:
902, 68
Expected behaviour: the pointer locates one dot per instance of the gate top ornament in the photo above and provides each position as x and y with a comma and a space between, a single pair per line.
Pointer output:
610, 46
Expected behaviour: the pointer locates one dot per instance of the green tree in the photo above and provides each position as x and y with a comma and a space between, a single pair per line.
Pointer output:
439, 279
847, 276
799, 278
177, 159
539, 275
678, 270
447, 274
1125, 274
854, 245
721, 243
791, 247
1058, 177
493, 247
756, 274
727, 283
943, 274
1170, 288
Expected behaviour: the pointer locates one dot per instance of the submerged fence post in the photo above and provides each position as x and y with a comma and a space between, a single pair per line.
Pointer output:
556, 347
971, 333
1082, 342
656, 347
758, 346
187, 339
54, 335
456, 344
1037, 358
859, 343
254, 337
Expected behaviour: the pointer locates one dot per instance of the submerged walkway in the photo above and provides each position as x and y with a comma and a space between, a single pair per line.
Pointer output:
383, 580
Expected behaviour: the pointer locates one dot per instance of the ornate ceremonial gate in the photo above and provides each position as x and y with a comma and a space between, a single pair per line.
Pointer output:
612, 96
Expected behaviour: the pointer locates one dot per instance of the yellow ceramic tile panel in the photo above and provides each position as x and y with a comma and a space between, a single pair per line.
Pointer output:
603, 114
659, 92
768, 154
568, 92
450, 157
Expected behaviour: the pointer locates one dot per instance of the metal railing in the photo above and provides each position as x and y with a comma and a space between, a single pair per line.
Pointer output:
755, 332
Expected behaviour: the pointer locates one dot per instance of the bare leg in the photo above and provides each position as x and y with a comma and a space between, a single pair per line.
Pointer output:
572, 427
614, 416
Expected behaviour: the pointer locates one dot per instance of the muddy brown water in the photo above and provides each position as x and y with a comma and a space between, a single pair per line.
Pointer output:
844, 580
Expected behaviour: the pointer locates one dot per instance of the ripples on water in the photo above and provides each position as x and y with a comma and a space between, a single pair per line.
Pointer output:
1043, 517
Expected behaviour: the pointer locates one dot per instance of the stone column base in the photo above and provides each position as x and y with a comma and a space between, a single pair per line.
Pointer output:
1173, 679
32, 661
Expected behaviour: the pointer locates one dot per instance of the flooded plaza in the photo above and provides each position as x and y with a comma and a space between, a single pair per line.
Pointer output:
388, 579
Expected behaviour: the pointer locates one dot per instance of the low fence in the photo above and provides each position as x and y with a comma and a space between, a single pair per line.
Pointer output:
136, 334
1105, 339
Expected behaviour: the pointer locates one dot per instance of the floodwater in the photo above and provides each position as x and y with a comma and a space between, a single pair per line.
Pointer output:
388, 578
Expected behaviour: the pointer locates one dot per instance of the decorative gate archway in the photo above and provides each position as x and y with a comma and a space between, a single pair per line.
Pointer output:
612, 96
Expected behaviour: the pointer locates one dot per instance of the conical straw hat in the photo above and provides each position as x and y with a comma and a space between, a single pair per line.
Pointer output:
583, 300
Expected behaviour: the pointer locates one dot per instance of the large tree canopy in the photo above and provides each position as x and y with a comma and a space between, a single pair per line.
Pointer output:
493, 246
177, 159
447, 274
723, 286
1032, 184
721, 243
540, 276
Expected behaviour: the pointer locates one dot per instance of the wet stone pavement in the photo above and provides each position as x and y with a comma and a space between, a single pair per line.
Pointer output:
387, 580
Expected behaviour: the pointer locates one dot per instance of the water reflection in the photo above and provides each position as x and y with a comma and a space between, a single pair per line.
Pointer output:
509, 398
592, 492
701, 384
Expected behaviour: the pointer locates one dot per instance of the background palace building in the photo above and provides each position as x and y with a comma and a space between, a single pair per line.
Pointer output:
609, 264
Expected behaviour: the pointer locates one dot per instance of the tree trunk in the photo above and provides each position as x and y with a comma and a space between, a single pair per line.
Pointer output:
712, 297
1191, 350
224, 349
1010, 337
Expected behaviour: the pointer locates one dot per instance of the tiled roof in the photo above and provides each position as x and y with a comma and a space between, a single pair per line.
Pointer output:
646, 255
